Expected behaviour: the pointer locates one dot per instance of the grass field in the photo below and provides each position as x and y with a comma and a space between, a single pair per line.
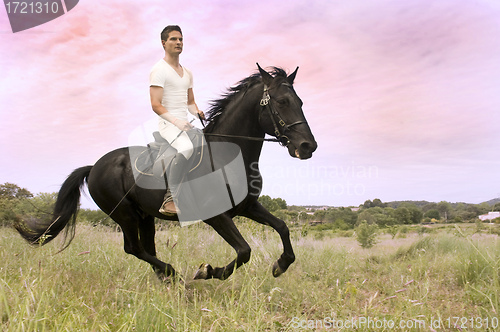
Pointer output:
447, 280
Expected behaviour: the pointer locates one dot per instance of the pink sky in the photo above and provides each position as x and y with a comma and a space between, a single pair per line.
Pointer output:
401, 96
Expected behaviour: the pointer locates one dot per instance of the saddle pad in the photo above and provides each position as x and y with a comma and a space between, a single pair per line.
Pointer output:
153, 160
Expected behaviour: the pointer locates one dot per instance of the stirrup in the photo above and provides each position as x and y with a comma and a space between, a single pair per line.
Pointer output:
168, 201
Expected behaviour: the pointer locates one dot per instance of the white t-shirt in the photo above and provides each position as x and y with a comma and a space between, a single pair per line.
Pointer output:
174, 87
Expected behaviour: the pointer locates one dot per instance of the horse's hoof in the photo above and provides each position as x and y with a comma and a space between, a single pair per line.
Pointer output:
203, 272
172, 279
277, 270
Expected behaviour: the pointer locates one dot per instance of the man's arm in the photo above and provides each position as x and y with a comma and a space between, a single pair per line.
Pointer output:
156, 95
192, 107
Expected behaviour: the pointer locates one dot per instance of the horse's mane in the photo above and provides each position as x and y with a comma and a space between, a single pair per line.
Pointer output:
218, 106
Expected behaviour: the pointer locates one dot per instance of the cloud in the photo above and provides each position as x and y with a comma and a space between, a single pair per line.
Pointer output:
409, 87
411, 79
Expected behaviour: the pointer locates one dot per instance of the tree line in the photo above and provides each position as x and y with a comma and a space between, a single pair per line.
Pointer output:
381, 214
17, 203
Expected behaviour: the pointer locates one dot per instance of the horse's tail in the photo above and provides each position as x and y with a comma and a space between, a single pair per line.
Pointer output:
41, 232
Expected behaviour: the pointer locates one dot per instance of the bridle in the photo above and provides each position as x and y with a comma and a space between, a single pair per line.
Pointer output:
265, 103
274, 115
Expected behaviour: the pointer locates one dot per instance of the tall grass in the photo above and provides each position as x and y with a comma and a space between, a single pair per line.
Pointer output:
94, 286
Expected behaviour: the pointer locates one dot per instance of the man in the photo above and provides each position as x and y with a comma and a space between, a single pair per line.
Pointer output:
171, 92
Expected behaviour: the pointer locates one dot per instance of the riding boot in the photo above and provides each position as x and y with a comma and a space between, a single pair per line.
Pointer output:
175, 175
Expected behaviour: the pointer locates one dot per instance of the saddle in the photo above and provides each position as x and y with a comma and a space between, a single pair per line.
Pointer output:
216, 179
156, 158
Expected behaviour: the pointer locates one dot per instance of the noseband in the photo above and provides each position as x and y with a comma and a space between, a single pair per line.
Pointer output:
276, 118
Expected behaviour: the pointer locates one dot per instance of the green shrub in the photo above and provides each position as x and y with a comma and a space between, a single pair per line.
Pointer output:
422, 230
393, 230
366, 234
348, 233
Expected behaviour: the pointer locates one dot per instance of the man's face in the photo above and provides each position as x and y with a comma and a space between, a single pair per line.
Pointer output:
174, 43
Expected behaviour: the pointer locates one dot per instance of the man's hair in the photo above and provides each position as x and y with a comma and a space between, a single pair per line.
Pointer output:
168, 29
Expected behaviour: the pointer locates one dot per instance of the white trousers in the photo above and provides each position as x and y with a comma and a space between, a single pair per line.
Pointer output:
177, 138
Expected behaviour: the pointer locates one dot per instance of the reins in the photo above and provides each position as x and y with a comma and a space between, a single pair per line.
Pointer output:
248, 138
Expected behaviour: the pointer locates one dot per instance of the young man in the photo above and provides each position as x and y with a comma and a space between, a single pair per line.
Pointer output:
171, 92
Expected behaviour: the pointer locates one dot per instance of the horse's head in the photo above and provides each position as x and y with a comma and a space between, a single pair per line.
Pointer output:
281, 114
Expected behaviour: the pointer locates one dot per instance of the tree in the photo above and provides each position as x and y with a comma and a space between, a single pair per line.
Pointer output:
377, 215
472, 212
367, 204
340, 224
272, 204
429, 206
393, 230
378, 203
281, 203
416, 214
367, 217
268, 203
366, 234
281, 214
95, 217
11, 191
11, 195
7, 214
444, 209
349, 216
384, 220
485, 208
402, 215
433, 214
303, 216
319, 215
39, 207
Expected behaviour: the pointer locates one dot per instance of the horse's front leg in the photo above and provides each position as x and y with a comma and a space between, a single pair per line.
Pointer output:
258, 213
226, 228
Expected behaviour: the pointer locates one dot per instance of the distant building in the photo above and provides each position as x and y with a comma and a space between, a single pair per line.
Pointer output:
317, 208
490, 216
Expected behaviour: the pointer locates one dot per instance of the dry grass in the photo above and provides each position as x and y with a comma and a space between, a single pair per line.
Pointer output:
94, 286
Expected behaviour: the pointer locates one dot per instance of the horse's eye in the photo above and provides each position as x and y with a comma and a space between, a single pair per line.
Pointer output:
283, 102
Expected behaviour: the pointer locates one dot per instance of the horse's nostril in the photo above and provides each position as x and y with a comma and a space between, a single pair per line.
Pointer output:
308, 146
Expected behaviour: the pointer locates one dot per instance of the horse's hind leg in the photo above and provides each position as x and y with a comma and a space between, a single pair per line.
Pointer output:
147, 238
226, 228
147, 234
142, 246
258, 213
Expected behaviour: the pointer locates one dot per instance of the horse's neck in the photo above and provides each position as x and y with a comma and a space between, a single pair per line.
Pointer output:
241, 116
242, 119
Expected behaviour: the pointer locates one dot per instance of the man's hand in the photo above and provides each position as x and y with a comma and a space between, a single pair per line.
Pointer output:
201, 115
183, 125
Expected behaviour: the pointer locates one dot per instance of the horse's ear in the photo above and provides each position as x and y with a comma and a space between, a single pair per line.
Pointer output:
291, 77
266, 77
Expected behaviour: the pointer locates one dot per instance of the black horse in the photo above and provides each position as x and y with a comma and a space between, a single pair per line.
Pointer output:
262, 103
